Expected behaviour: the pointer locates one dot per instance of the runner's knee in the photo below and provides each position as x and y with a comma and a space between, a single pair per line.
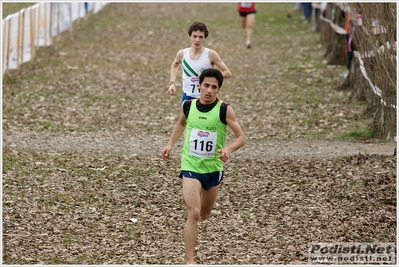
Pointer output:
194, 214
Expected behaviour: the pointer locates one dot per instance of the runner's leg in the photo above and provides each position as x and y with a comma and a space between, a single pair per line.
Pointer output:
192, 198
250, 26
208, 198
243, 22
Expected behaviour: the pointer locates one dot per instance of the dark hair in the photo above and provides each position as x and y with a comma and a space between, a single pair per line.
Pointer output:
211, 72
198, 26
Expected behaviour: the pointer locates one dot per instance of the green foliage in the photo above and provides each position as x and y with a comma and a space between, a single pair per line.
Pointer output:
358, 135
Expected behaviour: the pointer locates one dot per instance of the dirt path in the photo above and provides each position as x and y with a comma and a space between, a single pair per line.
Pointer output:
152, 145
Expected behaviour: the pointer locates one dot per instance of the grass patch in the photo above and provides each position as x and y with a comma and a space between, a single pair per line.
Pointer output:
358, 135
11, 8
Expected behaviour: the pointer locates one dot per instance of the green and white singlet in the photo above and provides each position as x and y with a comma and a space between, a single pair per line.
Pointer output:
192, 70
205, 133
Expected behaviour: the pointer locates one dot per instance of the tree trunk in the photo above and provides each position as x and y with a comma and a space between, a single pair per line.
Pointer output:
382, 123
335, 44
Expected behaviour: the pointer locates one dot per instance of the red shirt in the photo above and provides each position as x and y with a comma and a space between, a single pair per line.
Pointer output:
246, 7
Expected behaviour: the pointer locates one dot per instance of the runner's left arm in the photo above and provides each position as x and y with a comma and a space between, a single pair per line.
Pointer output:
240, 140
216, 60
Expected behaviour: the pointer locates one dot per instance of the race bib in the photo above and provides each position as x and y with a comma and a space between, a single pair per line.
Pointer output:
191, 86
246, 4
202, 143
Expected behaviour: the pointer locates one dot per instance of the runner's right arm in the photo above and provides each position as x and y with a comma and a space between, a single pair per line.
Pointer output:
174, 68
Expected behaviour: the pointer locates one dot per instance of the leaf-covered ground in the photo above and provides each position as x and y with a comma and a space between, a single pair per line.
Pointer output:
84, 125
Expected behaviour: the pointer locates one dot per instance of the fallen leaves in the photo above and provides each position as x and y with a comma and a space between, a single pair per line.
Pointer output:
135, 217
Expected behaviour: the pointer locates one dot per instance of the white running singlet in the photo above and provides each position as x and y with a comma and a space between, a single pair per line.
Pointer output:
192, 70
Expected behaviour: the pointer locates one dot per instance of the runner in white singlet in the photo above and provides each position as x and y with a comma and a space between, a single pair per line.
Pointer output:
194, 60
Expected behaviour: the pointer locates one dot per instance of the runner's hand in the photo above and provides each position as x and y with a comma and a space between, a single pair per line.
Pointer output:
166, 153
172, 89
224, 155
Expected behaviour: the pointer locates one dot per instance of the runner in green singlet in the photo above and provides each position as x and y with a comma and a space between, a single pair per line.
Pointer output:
204, 151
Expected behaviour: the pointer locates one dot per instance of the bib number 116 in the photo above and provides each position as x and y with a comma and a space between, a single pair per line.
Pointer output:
202, 145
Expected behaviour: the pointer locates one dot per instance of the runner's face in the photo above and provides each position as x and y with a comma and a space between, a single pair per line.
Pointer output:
209, 89
197, 39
